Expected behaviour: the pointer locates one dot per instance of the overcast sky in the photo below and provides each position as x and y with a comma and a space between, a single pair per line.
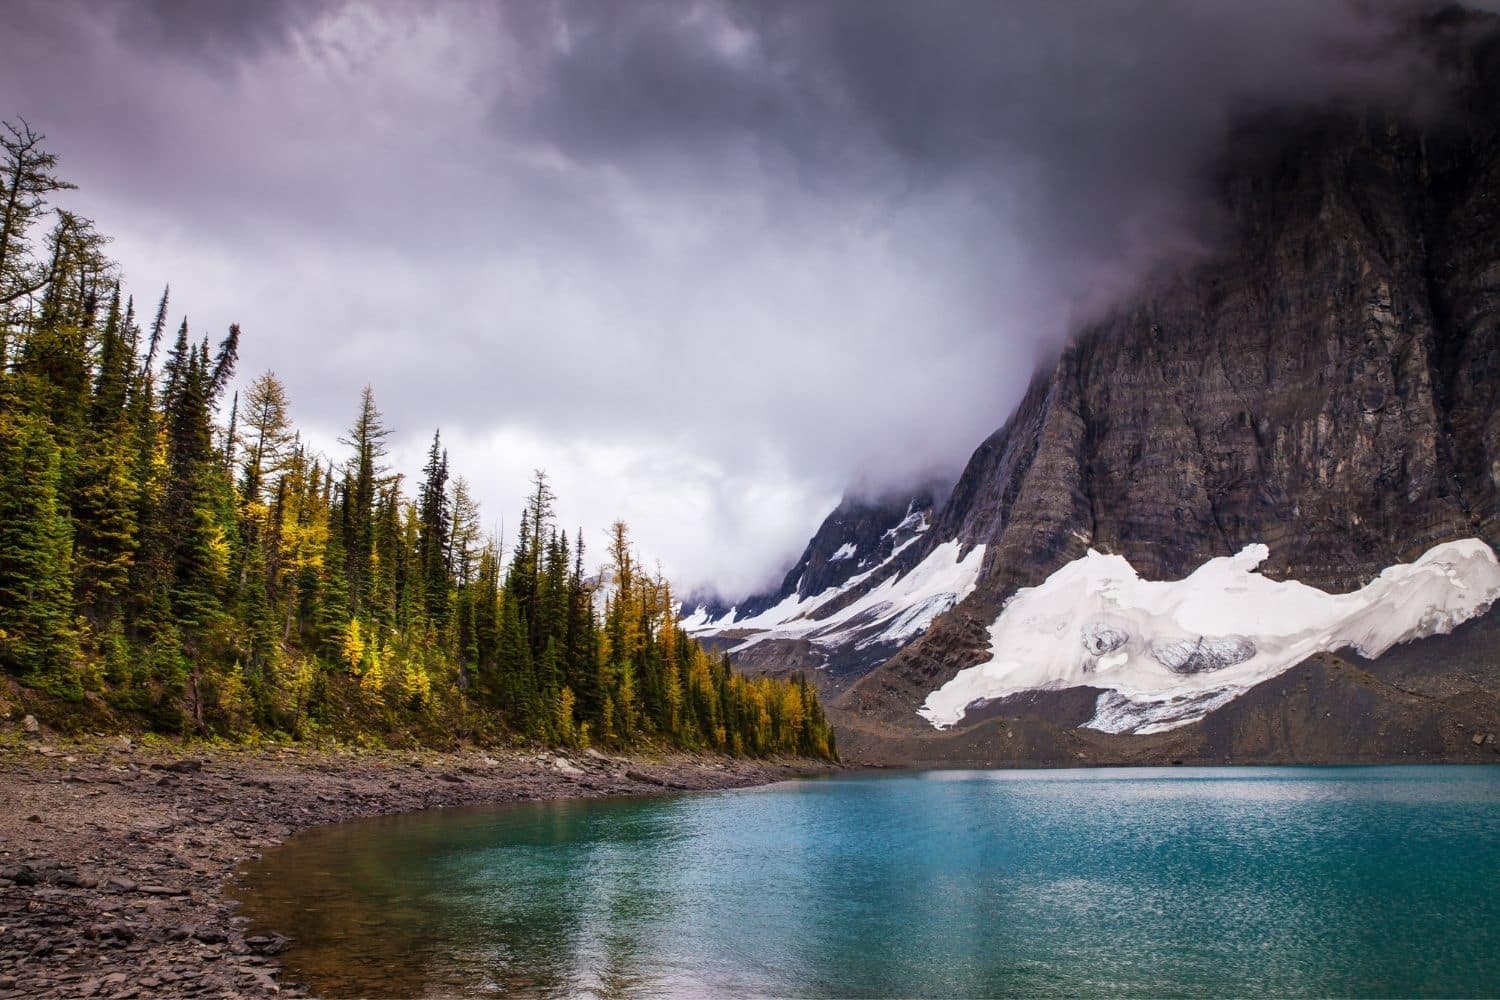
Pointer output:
707, 263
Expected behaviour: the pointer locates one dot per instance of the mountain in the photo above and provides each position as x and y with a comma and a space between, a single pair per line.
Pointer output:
803, 621
1244, 500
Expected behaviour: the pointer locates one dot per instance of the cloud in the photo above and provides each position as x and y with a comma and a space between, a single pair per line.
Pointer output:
709, 261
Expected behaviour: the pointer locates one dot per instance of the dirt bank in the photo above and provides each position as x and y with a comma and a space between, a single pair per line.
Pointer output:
115, 858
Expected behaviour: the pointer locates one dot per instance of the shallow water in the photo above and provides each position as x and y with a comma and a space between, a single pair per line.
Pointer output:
1279, 881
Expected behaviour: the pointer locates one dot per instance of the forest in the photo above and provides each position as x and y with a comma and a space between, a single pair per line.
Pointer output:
183, 563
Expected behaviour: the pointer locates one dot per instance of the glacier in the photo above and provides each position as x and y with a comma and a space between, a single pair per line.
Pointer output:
1167, 653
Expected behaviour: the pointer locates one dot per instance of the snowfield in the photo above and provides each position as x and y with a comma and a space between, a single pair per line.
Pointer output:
1170, 652
896, 610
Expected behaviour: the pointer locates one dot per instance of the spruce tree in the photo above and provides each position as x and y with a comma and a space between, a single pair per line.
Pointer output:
35, 606
365, 476
435, 520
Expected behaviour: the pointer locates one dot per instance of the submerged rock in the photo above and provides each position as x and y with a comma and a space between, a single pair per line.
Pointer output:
1196, 656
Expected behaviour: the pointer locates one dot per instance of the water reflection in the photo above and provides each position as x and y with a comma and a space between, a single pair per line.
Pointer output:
1280, 881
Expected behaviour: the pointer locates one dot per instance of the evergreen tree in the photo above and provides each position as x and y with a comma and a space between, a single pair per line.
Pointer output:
35, 609
266, 437
433, 535
364, 477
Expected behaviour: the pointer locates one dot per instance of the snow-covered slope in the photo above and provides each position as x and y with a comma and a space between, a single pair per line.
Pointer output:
857, 539
892, 611
1170, 652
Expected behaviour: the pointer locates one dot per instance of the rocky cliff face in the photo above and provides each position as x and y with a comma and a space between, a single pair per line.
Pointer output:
1327, 384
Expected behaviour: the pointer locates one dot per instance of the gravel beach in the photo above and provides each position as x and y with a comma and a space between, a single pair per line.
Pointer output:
117, 859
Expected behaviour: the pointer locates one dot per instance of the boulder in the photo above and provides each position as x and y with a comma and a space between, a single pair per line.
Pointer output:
1099, 638
20, 875
1196, 656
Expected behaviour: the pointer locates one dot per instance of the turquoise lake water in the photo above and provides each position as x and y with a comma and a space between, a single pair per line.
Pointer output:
1182, 881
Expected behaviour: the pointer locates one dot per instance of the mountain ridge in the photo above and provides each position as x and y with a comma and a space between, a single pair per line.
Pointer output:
1327, 384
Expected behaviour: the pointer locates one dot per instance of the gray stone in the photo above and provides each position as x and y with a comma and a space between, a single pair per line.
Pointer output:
1099, 638
20, 875
184, 766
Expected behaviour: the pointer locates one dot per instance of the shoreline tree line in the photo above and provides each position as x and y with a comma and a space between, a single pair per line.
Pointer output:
183, 560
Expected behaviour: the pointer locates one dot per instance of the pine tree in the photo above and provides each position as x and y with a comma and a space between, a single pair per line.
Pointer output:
104, 491
581, 672
463, 542
365, 476
433, 536
514, 679
266, 436
196, 555
35, 609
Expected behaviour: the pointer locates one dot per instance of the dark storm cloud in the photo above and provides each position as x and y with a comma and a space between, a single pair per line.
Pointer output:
1085, 125
706, 261
232, 30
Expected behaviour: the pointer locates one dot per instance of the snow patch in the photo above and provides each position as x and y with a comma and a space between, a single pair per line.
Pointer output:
915, 521
1170, 652
845, 551
697, 620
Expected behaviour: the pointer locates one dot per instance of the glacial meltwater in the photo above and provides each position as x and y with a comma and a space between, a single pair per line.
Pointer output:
1174, 882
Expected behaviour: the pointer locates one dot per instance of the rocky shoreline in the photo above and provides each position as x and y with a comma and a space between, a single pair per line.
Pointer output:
116, 858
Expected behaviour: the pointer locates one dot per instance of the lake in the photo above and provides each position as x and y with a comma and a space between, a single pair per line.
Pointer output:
1280, 881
